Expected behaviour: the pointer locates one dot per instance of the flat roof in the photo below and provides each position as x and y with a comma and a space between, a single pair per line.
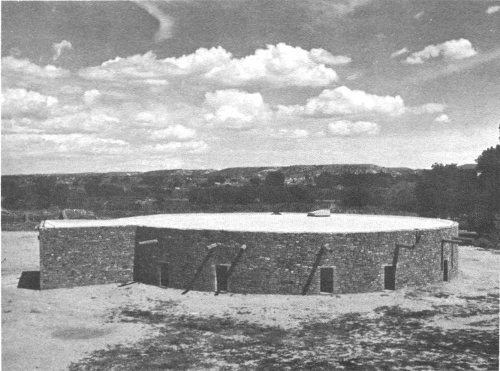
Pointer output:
265, 222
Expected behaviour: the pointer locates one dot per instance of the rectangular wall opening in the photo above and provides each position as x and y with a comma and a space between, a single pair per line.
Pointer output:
445, 270
326, 279
221, 277
389, 277
163, 274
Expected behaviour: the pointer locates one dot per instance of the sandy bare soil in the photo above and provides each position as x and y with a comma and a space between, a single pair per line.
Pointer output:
452, 325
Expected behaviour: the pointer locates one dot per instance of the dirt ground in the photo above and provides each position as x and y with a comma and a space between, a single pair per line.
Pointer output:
447, 326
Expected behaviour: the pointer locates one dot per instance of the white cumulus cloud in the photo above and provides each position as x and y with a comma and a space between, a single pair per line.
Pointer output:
82, 122
25, 68
91, 96
22, 102
276, 65
85, 143
344, 101
442, 118
63, 143
350, 128
177, 132
493, 9
59, 47
399, 52
235, 109
192, 147
287, 133
452, 49
300, 133
427, 108
322, 56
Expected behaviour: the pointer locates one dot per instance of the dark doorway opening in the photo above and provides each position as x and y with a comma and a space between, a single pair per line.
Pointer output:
221, 277
390, 277
163, 272
326, 279
445, 270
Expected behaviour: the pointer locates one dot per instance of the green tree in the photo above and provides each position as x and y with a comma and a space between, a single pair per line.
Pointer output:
437, 191
401, 196
299, 194
110, 190
487, 202
153, 181
44, 189
12, 194
274, 179
355, 197
217, 178
488, 169
327, 180
255, 181
60, 195
91, 186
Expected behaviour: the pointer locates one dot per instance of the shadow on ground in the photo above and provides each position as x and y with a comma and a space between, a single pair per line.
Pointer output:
392, 338
29, 280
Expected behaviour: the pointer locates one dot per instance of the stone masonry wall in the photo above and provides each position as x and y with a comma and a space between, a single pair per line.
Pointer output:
280, 263
86, 256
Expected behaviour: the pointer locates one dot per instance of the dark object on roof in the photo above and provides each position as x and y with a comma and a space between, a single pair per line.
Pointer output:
320, 213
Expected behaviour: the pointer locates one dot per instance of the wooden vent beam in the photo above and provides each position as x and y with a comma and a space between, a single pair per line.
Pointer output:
148, 242
211, 249
443, 242
395, 257
233, 264
319, 255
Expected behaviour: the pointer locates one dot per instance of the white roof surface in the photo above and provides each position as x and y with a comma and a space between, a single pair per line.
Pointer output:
265, 222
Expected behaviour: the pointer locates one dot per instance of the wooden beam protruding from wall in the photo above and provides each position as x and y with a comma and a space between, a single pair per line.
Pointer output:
319, 255
211, 249
233, 264
443, 242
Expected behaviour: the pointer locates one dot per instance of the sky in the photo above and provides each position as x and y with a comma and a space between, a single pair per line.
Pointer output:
136, 86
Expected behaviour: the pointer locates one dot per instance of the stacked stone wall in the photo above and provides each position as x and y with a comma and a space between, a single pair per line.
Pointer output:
86, 256
280, 263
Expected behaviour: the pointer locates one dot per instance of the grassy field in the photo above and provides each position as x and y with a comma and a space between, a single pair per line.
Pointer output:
450, 326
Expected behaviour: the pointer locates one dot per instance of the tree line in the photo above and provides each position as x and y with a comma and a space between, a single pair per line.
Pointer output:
471, 196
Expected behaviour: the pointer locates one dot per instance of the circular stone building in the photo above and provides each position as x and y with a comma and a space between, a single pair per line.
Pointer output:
251, 252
